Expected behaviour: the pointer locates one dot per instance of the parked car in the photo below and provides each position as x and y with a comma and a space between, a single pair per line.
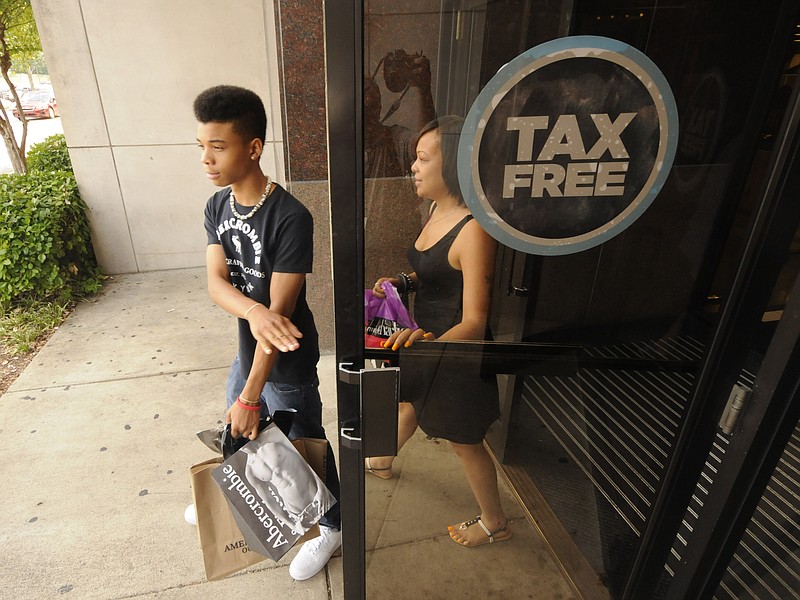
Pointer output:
38, 104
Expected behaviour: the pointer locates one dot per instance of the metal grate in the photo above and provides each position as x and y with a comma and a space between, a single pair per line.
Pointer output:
700, 495
618, 425
767, 562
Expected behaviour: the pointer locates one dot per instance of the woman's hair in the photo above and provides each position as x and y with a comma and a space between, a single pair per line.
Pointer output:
449, 129
236, 105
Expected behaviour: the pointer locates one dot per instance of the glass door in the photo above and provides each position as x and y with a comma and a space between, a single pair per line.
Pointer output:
599, 345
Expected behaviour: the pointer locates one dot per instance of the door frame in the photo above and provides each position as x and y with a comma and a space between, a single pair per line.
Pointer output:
344, 41
769, 235
344, 104
764, 430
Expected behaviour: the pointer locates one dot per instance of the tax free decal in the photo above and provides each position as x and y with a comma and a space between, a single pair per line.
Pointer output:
567, 145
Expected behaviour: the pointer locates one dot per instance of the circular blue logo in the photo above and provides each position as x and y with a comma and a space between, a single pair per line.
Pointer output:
567, 145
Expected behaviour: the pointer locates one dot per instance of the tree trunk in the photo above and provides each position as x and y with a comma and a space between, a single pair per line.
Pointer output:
16, 150
18, 162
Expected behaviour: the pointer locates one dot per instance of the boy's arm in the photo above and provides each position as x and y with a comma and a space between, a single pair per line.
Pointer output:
284, 288
269, 328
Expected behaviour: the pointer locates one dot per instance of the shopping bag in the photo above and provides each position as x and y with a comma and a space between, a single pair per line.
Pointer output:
315, 453
384, 316
224, 548
273, 493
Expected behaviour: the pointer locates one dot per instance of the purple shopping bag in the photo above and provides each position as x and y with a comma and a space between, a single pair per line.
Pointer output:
384, 316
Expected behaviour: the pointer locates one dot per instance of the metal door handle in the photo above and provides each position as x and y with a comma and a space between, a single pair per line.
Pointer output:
347, 433
379, 393
348, 374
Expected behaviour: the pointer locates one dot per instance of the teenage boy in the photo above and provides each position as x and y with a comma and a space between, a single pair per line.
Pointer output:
259, 251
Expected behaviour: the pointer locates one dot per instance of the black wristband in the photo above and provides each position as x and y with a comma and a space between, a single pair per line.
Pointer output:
401, 283
407, 282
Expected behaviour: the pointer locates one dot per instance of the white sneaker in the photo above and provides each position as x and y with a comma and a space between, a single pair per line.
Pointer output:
315, 554
190, 514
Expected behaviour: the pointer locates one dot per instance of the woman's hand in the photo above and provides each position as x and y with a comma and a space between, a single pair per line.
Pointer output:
244, 423
405, 337
377, 290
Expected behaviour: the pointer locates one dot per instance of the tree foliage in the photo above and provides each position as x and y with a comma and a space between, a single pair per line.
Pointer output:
22, 37
19, 41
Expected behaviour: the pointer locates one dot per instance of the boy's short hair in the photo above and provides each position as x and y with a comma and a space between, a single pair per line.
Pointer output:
236, 105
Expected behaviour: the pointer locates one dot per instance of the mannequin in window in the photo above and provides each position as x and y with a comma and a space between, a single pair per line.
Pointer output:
389, 149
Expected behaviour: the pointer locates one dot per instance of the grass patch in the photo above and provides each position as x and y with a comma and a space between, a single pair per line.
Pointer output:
22, 326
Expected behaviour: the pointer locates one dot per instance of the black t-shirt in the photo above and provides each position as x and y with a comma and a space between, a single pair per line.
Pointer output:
278, 238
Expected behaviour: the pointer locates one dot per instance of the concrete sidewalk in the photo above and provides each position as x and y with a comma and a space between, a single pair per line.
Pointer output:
99, 434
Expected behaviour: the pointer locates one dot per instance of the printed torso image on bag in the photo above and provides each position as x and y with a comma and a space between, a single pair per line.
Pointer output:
274, 494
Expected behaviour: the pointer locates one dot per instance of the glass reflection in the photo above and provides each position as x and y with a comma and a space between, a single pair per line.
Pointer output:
412, 54
389, 148
391, 219
587, 435
447, 397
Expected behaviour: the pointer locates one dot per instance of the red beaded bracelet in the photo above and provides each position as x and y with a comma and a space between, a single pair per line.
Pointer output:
247, 407
249, 402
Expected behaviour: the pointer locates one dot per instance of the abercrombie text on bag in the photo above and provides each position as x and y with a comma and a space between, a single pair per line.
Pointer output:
275, 537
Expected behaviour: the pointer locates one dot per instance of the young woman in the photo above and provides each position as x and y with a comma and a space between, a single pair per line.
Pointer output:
453, 261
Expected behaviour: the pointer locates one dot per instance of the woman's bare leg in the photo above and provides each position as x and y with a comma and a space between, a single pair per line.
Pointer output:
482, 477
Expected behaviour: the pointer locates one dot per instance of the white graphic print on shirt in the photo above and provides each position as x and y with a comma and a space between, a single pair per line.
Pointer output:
246, 230
239, 278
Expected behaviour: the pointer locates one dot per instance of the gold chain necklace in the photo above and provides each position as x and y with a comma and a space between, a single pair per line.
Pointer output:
442, 218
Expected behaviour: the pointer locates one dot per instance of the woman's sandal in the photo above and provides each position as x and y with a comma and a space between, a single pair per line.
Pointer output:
498, 535
385, 473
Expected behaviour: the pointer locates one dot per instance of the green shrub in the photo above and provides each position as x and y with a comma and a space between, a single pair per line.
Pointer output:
45, 247
50, 155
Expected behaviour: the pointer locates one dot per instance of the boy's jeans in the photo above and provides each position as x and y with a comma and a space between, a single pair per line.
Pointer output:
307, 422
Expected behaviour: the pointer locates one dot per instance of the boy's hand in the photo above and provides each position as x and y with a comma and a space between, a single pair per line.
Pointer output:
244, 423
273, 330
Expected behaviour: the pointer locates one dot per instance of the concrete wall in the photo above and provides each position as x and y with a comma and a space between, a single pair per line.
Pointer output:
125, 75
